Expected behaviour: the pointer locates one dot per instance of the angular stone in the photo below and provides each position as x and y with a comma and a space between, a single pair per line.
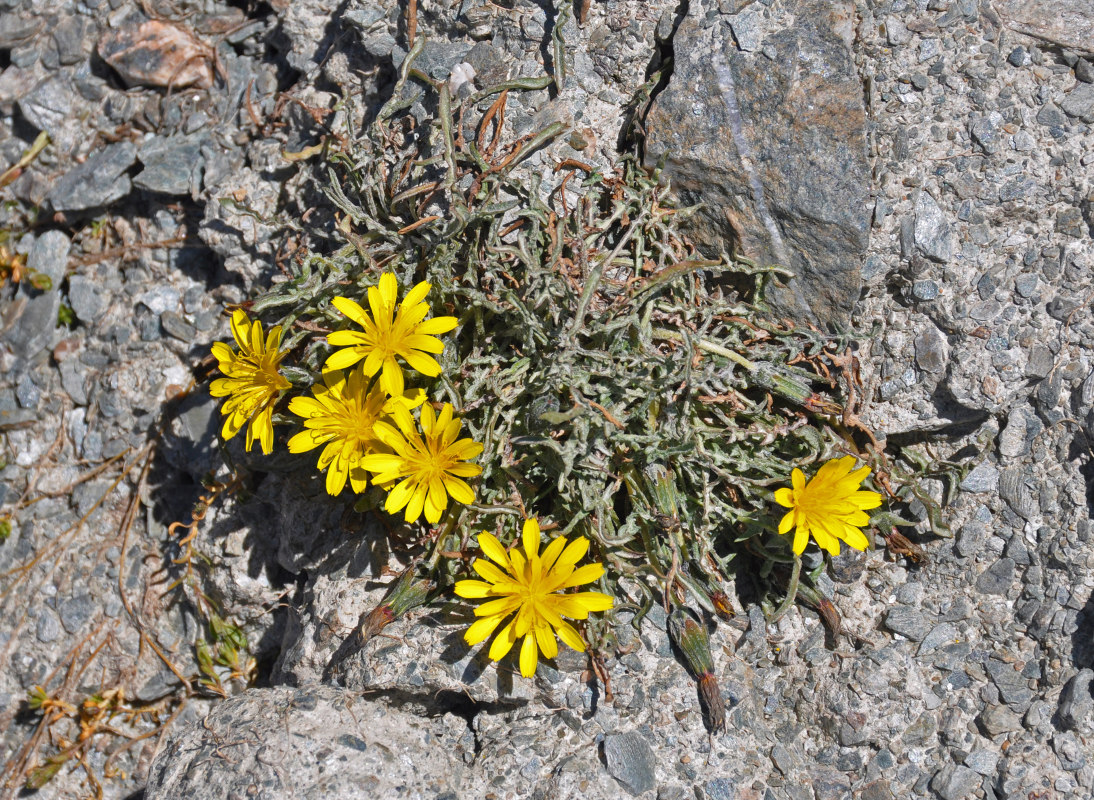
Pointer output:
631, 761
995, 720
909, 622
1051, 116
171, 165
49, 256
933, 235
931, 350
28, 324
315, 741
1062, 22
775, 149
156, 53
97, 182
983, 478
50, 107
955, 782
1076, 710
1079, 102
1012, 685
941, 634
997, 578
86, 298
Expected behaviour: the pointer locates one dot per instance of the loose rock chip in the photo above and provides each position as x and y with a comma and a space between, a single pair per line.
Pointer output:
154, 53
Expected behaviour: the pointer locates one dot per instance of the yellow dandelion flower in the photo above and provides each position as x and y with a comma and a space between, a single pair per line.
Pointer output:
252, 382
830, 506
391, 331
531, 584
429, 467
341, 415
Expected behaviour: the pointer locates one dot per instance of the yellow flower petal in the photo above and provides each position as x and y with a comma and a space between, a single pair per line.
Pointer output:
481, 629
531, 585
529, 656
494, 551
502, 643
473, 590
830, 507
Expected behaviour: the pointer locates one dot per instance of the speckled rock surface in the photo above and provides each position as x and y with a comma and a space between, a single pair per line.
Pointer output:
316, 741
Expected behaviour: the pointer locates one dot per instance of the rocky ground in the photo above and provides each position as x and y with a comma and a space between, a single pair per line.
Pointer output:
955, 169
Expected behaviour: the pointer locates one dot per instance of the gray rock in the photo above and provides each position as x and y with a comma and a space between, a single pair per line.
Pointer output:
1017, 189
1040, 361
50, 107
86, 298
941, 634
1019, 57
1084, 70
16, 29
30, 323
74, 381
1079, 102
172, 165
933, 235
1012, 439
1013, 686
955, 782
983, 478
995, 720
1070, 750
175, 325
982, 761
896, 31
631, 761
27, 393
49, 627
1026, 284
74, 36
1023, 141
76, 611
1051, 116
909, 622
925, 290
1070, 222
931, 350
49, 256
775, 150
315, 741
985, 132
190, 443
97, 182
1076, 710
997, 578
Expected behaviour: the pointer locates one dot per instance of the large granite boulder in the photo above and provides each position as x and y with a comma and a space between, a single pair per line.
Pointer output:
763, 121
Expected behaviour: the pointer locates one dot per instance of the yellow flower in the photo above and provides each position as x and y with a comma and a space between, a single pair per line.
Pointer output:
252, 382
531, 584
830, 506
341, 415
391, 331
429, 466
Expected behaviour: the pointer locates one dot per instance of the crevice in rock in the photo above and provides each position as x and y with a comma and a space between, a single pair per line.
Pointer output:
632, 131
445, 701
